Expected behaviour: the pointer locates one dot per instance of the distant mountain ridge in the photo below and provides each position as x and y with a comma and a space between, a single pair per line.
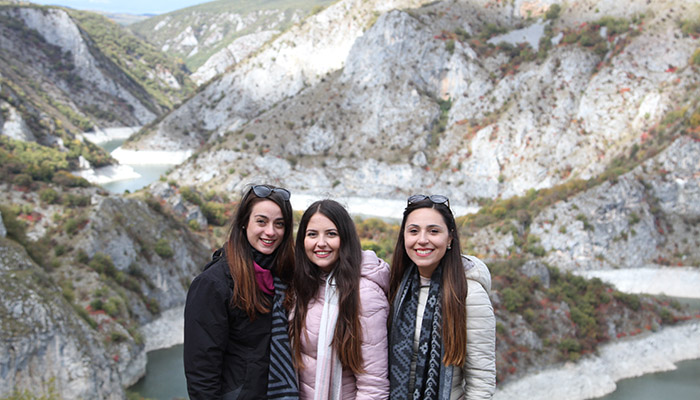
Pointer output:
198, 32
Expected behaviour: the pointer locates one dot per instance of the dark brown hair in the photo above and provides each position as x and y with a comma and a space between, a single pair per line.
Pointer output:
347, 338
453, 285
246, 294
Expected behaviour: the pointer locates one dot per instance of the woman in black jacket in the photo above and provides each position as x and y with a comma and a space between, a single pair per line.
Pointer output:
234, 313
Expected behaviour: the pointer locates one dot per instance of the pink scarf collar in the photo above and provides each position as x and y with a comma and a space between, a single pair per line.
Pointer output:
264, 279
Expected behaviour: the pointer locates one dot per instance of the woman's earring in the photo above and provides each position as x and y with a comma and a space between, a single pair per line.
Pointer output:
449, 247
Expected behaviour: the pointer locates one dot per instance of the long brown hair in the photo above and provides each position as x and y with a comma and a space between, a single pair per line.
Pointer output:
347, 338
453, 285
239, 256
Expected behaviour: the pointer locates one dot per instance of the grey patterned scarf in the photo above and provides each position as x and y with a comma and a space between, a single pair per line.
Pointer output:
403, 326
282, 379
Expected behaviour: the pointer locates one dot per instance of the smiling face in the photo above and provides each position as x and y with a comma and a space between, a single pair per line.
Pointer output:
426, 238
322, 242
265, 228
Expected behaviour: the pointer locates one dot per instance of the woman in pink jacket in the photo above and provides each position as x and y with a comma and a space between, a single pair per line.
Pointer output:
339, 309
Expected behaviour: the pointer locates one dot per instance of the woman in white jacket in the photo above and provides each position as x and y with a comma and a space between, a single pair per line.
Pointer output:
442, 331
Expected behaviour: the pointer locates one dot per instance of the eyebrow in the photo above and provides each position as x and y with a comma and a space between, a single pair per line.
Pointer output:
428, 226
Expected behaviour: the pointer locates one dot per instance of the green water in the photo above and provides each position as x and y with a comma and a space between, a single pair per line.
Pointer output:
681, 384
165, 380
165, 376
149, 172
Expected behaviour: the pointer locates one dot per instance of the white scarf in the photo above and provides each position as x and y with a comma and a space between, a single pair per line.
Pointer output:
329, 371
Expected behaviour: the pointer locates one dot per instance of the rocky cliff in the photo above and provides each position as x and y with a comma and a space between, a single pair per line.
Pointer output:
107, 266
45, 345
64, 72
645, 217
437, 98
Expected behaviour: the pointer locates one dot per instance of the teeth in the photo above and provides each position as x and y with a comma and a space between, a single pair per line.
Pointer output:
267, 241
423, 252
322, 253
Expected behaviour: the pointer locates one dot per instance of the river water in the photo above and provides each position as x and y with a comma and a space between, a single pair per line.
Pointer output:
165, 380
147, 172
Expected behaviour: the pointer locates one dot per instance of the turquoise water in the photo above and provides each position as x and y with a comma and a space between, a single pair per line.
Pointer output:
149, 172
165, 380
165, 376
681, 384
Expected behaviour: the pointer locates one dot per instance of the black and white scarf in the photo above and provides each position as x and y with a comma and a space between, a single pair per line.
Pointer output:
282, 379
403, 327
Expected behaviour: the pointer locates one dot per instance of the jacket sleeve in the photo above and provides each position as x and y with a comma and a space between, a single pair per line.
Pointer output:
479, 371
374, 382
206, 336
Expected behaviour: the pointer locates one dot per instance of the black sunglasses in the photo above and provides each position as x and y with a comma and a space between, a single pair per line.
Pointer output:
435, 198
263, 191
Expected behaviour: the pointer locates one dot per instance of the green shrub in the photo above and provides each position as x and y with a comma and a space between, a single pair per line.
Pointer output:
48, 195
194, 225
553, 12
102, 264
631, 300
512, 299
23, 180
191, 195
163, 248
74, 200
113, 306
73, 225
215, 213
695, 59
16, 228
690, 28
82, 257
97, 304
118, 337
66, 179
450, 46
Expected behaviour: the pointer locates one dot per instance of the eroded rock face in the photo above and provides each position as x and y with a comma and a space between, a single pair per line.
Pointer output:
128, 230
359, 121
642, 218
646, 217
77, 320
44, 344
58, 29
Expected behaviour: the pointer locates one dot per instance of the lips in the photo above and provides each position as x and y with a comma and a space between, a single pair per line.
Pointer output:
424, 252
267, 242
322, 254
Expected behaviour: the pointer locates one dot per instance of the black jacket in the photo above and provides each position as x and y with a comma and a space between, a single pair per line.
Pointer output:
226, 355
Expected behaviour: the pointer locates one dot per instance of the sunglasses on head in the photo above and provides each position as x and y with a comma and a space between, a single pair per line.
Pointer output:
435, 198
264, 191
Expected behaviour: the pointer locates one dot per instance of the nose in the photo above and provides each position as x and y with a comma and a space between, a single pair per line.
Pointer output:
422, 238
270, 230
321, 241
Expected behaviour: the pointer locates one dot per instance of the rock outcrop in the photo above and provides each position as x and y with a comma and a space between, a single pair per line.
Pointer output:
419, 102
109, 265
44, 344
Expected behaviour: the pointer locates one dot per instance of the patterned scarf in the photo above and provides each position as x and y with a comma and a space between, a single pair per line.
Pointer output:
282, 380
403, 327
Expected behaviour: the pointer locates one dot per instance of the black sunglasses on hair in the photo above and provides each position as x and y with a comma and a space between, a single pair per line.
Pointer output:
263, 191
435, 198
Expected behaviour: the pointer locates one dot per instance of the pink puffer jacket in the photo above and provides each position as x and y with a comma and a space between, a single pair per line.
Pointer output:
374, 309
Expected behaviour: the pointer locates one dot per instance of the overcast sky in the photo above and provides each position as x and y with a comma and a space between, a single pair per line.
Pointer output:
125, 6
